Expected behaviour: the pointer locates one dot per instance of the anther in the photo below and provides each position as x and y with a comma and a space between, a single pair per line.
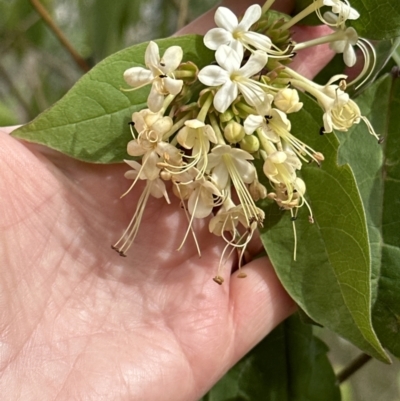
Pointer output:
218, 279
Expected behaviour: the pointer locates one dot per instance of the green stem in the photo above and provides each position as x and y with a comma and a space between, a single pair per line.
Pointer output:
266, 145
267, 5
218, 133
333, 37
245, 108
302, 14
167, 101
204, 109
179, 124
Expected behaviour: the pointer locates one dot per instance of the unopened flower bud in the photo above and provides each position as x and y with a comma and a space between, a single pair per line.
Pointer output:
287, 100
234, 132
257, 190
250, 143
228, 115
300, 186
165, 175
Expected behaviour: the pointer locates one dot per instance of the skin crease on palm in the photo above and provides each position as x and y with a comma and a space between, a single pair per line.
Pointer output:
79, 322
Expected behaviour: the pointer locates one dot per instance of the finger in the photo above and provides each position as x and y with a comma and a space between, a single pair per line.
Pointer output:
8, 130
309, 62
259, 303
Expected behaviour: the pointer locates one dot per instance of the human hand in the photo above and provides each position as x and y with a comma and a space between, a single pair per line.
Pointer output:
80, 322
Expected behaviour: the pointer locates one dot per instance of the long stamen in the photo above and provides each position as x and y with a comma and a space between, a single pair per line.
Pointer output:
131, 231
190, 226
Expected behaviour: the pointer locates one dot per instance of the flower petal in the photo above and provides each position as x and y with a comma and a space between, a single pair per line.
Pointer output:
252, 93
138, 76
134, 149
162, 125
228, 58
213, 75
194, 123
225, 96
158, 189
257, 40
252, 15
155, 100
327, 118
349, 55
216, 37
171, 59
225, 18
255, 64
252, 122
152, 55
186, 138
246, 170
220, 176
173, 86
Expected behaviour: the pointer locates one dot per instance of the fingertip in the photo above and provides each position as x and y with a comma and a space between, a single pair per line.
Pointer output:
259, 303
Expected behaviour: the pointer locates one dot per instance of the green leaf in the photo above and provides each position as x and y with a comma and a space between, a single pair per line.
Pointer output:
377, 172
289, 365
330, 280
379, 19
90, 122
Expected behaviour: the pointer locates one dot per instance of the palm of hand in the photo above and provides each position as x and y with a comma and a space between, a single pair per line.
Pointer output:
80, 322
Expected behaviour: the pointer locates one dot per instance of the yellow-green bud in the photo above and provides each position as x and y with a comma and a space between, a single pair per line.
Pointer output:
250, 143
234, 132
226, 116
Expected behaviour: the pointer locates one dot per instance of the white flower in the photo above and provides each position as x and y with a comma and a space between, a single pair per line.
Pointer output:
343, 10
234, 34
346, 43
225, 162
151, 127
254, 121
280, 166
289, 197
232, 78
197, 135
160, 73
231, 165
202, 199
227, 218
156, 186
276, 127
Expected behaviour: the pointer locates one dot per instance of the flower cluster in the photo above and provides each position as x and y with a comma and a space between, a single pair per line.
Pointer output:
206, 147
